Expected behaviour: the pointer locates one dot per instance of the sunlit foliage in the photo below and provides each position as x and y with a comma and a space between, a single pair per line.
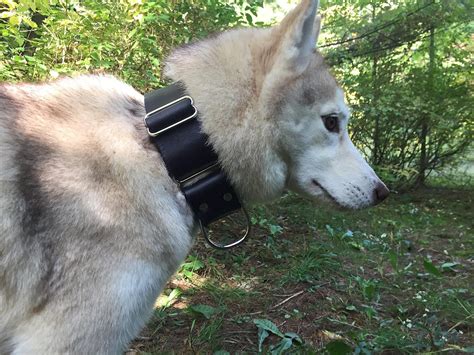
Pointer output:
406, 65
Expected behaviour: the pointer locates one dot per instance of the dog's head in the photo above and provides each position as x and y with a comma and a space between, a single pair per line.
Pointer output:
275, 114
312, 117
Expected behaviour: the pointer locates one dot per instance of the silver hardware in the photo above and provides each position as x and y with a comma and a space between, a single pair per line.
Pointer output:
205, 170
154, 134
233, 244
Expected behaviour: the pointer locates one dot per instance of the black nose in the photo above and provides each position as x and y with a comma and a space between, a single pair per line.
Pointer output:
380, 193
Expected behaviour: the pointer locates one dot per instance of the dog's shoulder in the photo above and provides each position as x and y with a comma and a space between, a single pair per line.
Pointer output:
74, 136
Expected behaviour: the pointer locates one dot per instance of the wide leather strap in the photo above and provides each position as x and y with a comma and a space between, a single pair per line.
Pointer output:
175, 130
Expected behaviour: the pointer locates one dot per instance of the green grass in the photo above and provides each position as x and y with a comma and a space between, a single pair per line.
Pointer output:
392, 279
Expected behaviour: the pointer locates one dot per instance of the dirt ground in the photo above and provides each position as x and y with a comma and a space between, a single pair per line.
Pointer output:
393, 279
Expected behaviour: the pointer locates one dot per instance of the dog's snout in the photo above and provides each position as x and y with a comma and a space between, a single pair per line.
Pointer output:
381, 192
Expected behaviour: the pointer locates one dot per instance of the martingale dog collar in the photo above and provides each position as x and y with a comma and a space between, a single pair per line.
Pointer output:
174, 128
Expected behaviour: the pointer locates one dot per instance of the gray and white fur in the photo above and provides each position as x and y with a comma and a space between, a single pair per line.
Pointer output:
91, 224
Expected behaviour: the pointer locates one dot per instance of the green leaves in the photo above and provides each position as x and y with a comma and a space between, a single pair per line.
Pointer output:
131, 40
449, 266
265, 327
122, 37
438, 271
395, 90
262, 335
203, 310
268, 326
368, 287
190, 266
431, 268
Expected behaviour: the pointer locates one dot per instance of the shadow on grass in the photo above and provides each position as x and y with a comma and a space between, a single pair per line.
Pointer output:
394, 279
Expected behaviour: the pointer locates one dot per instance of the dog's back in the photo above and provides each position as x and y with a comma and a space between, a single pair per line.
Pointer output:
78, 213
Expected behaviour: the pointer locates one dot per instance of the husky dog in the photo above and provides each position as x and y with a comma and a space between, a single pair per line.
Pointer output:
92, 226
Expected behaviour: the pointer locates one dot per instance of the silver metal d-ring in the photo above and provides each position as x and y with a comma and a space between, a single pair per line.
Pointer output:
233, 244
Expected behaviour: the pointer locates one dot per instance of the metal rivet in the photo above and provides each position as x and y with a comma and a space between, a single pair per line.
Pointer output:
227, 197
203, 207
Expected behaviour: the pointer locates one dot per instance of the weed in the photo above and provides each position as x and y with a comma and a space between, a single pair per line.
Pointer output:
310, 266
394, 279
286, 341
189, 267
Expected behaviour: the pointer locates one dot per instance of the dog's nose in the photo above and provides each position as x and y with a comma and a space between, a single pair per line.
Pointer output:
380, 193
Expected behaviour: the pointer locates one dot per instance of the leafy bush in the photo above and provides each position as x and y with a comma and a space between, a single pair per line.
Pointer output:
42, 39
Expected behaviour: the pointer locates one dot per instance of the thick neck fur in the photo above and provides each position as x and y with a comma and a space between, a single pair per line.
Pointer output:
224, 77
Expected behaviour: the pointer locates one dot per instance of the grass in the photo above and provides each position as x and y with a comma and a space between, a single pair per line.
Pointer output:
388, 280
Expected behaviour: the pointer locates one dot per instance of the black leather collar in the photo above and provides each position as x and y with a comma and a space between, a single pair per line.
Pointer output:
174, 128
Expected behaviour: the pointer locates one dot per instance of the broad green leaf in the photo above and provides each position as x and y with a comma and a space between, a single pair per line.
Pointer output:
431, 268
449, 265
262, 335
268, 326
281, 347
204, 310
14, 20
29, 22
294, 337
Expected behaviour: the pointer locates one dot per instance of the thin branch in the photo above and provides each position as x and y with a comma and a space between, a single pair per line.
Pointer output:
377, 29
288, 299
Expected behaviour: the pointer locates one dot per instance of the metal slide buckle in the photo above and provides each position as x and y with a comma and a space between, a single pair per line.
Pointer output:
230, 245
154, 134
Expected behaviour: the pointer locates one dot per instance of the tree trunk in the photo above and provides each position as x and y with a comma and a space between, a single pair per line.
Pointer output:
376, 132
375, 92
423, 162
32, 33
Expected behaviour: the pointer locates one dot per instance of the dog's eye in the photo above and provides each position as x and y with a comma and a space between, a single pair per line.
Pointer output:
331, 122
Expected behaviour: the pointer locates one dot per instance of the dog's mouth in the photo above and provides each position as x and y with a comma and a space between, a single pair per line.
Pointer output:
328, 195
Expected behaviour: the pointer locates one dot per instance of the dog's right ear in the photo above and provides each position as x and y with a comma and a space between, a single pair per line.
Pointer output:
288, 51
298, 34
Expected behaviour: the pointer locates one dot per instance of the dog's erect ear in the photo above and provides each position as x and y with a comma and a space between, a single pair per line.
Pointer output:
299, 32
